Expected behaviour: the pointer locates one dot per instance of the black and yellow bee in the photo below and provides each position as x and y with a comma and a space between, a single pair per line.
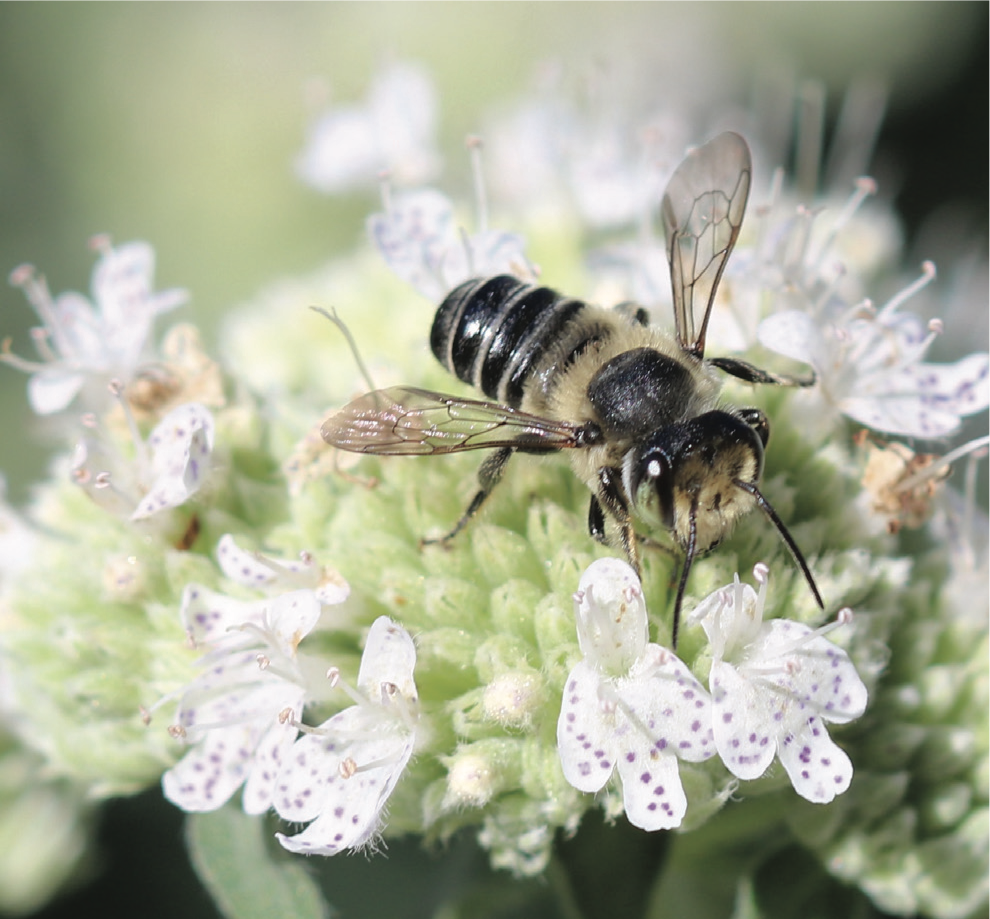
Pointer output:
637, 408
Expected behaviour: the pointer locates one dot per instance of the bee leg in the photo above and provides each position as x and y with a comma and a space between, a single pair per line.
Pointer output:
758, 421
751, 374
489, 475
612, 498
596, 521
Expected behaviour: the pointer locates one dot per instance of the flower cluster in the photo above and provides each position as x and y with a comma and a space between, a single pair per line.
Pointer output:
206, 596
240, 714
80, 342
635, 706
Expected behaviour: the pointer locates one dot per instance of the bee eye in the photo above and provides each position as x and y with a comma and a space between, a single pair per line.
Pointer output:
652, 485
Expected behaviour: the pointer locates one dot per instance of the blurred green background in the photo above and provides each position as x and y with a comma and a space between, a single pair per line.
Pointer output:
178, 124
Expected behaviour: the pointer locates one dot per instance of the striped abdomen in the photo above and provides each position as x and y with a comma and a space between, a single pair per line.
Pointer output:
496, 333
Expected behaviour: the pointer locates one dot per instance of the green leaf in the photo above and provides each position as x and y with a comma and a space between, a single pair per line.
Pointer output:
230, 852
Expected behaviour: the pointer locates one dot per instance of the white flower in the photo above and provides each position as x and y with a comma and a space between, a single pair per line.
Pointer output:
617, 172
421, 241
869, 366
240, 711
351, 146
526, 146
774, 684
163, 473
630, 705
252, 569
180, 444
79, 340
340, 774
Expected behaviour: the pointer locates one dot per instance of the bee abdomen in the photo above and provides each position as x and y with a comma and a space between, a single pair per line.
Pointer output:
492, 332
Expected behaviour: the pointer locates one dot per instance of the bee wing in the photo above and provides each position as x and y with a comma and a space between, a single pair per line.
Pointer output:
702, 212
404, 421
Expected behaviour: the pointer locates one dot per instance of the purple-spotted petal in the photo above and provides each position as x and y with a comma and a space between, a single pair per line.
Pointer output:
209, 616
807, 668
819, 770
271, 750
745, 720
209, 774
343, 772
181, 445
585, 731
417, 237
652, 794
667, 701
242, 566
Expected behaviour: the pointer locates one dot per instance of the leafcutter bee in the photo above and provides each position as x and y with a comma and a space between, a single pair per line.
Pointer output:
637, 408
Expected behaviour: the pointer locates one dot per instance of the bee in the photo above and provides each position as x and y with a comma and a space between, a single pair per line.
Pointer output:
636, 407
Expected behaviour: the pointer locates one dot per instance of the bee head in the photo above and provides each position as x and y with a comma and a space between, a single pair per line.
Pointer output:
686, 477
697, 477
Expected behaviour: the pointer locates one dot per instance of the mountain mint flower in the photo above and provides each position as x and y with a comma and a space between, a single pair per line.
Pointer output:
869, 367
163, 472
180, 445
254, 569
340, 775
81, 341
350, 146
423, 244
238, 713
629, 706
774, 684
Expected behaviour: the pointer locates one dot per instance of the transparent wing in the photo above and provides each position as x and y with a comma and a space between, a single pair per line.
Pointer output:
404, 421
702, 212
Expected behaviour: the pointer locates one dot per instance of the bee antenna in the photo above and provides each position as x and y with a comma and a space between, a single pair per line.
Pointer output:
689, 553
351, 343
767, 509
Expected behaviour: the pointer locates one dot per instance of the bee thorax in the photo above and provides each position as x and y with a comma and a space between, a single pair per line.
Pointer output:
640, 391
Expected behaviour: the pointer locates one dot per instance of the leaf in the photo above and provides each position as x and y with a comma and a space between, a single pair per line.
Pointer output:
228, 850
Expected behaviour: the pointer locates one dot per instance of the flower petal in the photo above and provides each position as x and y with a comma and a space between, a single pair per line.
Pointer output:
819, 770
669, 704
809, 670
652, 793
209, 616
923, 400
292, 616
209, 774
795, 335
270, 751
342, 776
744, 720
242, 566
584, 731
388, 660
51, 390
611, 616
181, 445
417, 237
